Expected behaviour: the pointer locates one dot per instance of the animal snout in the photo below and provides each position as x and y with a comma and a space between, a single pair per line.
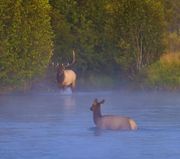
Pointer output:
91, 108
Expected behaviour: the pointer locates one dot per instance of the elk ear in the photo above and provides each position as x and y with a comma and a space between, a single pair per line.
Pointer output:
57, 65
95, 101
62, 65
101, 102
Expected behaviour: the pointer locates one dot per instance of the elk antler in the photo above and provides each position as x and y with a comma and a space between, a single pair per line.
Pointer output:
73, 61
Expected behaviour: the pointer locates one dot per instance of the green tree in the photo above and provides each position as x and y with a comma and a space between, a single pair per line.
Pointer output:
26, 40
164, 73
138, 32
61, 21
82, 25
107, 35
172, 15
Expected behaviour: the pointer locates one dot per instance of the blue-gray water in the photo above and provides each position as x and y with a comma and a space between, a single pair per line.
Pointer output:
56, 126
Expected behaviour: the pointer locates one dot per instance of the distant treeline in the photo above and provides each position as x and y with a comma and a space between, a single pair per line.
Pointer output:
109, 36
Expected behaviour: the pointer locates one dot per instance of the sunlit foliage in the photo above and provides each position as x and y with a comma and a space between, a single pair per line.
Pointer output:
165, 73
25, 40
139, 31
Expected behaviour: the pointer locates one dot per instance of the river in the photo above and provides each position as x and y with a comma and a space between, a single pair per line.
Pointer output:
52, 125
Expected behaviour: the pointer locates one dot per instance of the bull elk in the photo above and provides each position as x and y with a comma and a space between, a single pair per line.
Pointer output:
66, 77
111, 122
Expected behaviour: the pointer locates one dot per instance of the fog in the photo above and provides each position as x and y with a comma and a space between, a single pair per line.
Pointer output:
59, 125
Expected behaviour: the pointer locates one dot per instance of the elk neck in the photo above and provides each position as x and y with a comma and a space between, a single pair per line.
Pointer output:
97, 114
60, 76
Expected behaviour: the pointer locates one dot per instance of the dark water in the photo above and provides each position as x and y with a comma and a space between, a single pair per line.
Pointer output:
55, 126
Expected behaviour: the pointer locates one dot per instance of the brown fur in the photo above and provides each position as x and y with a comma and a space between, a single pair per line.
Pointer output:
66, 77
111, 122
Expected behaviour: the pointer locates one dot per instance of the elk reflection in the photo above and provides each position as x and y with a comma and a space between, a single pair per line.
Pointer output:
69, 102
96, 131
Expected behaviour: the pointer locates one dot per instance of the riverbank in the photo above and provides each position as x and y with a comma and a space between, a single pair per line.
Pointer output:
88, 83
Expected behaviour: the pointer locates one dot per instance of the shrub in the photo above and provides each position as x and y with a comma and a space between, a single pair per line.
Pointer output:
165, 73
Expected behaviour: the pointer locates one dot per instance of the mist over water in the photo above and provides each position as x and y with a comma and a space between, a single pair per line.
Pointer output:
53, 125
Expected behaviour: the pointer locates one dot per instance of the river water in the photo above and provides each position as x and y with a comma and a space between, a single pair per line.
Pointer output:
59, 126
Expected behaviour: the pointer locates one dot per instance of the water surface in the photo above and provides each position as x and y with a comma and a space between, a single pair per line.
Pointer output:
56, 126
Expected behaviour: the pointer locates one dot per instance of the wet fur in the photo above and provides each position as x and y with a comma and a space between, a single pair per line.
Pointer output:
66, 78
111, 122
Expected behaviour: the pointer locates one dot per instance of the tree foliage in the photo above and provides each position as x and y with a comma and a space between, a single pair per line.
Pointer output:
84, 25
26, 40
109, 36
107, 33
172, 18
172, 15
165, 72
138, 30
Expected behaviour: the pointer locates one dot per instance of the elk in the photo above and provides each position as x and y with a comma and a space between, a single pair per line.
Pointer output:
111, 122
66, 77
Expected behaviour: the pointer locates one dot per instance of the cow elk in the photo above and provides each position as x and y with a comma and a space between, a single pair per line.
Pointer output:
66, 77
111, 122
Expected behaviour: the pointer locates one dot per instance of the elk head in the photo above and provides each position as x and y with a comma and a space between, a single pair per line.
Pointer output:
62, 67
96, 105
